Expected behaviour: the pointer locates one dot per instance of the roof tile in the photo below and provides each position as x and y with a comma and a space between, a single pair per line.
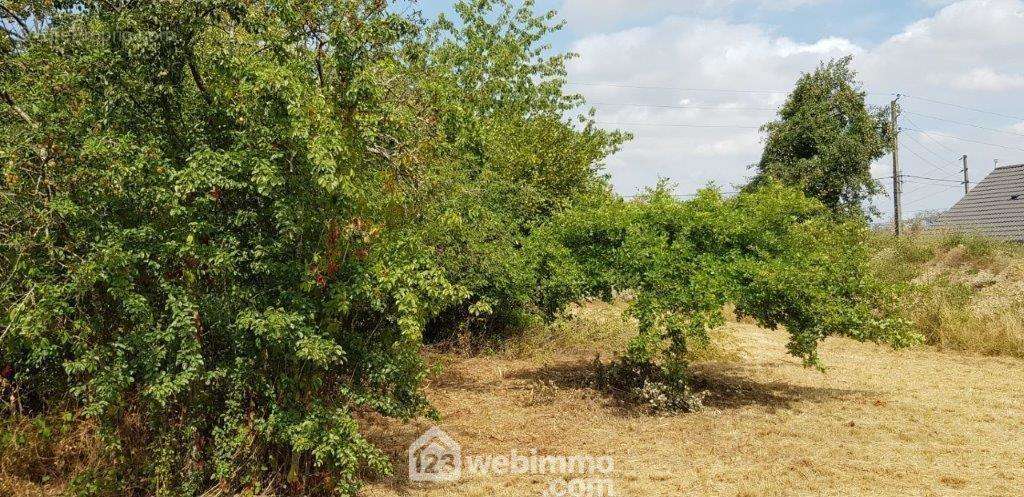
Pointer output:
990, 207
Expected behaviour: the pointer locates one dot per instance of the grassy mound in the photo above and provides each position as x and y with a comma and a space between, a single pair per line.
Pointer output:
965, 292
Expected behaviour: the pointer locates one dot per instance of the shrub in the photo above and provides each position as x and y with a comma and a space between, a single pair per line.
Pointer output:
655, 387
227, 225
779, 257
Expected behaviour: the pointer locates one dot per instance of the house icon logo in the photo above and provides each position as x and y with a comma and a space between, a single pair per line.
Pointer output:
435, 457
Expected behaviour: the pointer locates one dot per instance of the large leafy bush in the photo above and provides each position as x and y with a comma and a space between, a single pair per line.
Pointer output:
780, 257
226, 225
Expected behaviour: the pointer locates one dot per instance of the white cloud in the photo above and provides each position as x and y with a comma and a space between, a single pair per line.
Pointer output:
699, 54
986, 79
592, 15
939, 50
965, 54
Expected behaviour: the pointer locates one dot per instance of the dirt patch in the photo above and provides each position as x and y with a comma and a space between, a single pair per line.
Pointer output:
882, 423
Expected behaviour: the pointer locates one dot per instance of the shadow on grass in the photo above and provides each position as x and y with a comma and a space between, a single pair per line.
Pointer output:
727, 387
730, 387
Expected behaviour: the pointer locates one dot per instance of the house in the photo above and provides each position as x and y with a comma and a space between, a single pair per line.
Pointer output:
995, 207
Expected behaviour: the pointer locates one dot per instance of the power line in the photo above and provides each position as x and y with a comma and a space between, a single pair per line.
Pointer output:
918, 180
915, 190
959, 182
675, 125
937, 118
930, 195
924, 185
926, 135
928, 149
919, 188
615, 84
968, 140
676, 88
704, 107
930, 163
965, 107
678, 195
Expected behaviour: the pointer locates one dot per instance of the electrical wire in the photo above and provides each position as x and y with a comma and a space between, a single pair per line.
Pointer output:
964, 124
678, 195
644, 87
684, 106
930, 163
932, 179
912, 202
925, 147
940, 102
675, 125
968, 140
615, 84
926, 161
926, 135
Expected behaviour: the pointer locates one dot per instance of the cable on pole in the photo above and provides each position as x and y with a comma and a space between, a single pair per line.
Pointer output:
675, 88
937, 118
678, 125
940, 102
702, 107
967, 139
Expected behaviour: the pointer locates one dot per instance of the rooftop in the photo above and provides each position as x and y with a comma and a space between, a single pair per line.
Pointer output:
995, 207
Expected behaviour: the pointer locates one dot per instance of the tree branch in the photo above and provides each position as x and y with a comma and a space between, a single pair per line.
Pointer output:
12, 35
319, 68
6, 97
21, 22
315, 34
198, 78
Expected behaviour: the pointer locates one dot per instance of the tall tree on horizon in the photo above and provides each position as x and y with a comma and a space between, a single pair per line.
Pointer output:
825, 139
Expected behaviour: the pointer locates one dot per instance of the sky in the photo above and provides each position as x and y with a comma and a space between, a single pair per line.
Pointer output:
693, 80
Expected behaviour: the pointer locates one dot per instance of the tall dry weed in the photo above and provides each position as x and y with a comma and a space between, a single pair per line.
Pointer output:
964, 292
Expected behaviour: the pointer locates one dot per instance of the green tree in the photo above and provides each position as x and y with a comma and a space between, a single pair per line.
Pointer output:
779, 256
825, 140
226, 225
519, 159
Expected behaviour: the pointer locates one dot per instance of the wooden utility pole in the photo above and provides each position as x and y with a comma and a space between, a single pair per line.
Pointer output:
967, 179
896, 179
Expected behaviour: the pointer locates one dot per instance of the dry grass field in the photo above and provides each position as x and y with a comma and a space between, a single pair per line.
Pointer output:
879, 423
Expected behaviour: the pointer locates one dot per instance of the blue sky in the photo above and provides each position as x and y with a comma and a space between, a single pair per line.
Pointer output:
643, 60
864, 21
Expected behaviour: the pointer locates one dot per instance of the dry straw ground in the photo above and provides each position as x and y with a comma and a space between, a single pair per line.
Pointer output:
879, 423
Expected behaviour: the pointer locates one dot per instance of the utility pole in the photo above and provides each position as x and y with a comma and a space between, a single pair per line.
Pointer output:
967, 179
894, 108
